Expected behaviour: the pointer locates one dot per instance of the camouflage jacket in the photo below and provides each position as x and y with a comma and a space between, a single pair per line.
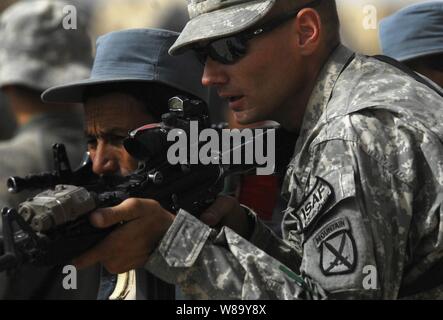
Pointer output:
365, 201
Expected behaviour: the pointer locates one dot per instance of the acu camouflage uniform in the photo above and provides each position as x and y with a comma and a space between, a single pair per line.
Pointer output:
364, 189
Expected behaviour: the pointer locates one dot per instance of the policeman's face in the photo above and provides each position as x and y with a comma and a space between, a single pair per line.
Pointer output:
109, 118
264, 84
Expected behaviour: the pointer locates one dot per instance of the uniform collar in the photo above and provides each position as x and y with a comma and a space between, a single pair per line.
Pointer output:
320, 96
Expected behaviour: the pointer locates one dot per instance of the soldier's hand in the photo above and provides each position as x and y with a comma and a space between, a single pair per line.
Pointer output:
127, 247
226, 211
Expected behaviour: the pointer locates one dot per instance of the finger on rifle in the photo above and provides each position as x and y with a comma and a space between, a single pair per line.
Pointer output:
106, 217
221, 207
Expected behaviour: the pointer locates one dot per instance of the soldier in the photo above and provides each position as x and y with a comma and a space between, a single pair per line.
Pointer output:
132, 79
364, 186
414, 36
37, 53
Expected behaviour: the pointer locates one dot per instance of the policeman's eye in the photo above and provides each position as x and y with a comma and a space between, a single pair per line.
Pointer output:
115, 140
91, 141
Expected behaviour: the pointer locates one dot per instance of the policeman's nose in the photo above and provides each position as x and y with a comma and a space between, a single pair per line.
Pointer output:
214, 74
104, 160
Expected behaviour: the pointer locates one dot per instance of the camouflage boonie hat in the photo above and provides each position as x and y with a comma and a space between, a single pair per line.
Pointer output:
211, 19
35, 49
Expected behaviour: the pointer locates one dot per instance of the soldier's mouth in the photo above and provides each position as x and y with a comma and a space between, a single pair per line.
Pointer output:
234, 98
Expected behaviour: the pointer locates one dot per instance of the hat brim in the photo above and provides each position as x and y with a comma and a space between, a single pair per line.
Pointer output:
221, 23
74, 92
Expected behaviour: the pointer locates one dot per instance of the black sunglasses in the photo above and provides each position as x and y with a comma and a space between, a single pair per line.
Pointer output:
230, 49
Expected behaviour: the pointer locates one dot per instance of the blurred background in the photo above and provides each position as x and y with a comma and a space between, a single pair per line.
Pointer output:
359, 20
359, 17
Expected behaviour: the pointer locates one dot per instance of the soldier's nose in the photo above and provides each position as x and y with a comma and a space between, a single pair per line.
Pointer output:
214, 74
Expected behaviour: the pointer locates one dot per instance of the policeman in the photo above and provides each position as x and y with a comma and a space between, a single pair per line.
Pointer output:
132, 79
36, 53
414, 36
364, 186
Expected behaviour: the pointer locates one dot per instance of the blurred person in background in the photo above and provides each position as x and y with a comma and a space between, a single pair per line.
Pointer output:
7, 121
414, 36
36, 53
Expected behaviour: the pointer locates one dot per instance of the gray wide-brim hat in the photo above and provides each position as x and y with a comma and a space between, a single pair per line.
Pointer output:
211, 19
413, 32
136, 55
37, 51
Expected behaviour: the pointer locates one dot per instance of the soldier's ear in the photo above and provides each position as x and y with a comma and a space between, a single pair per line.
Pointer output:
308, 28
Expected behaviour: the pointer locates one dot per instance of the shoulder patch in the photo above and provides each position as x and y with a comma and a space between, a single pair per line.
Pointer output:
330, 229
337, 246
314, 203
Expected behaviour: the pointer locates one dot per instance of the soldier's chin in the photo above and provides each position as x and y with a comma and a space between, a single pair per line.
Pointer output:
245, 118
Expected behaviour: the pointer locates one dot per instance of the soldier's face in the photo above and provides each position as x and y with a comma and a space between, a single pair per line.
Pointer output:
262, 84
108, 119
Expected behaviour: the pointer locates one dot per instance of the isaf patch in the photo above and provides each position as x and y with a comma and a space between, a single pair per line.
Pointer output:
338, 253
314, 203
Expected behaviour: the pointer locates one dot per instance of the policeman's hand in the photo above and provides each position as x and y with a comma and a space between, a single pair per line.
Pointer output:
226, 211
128, 247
